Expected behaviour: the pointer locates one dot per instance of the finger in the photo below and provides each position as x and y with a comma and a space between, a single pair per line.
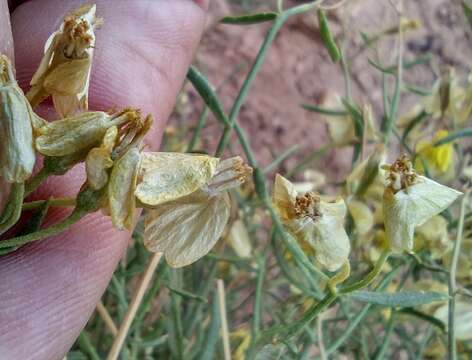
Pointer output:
6, 47
142, 55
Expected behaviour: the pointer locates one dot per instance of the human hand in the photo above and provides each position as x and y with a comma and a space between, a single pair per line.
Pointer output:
49, 289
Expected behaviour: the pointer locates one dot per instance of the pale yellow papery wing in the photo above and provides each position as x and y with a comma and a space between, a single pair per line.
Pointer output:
283, 197
186, 229
169, 176
121, 189
330, 240
463, 316
412, 207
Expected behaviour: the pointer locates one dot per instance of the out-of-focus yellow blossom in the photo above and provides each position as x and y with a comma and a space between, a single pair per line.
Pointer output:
433, 236
64, 71
438, 159
463, 319
17, 119
362, 216
238, 239
187, 227
242, 340
315, 222
464, 266
409, 201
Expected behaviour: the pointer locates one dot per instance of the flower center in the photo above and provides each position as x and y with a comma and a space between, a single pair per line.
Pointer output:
401, 174
307, 205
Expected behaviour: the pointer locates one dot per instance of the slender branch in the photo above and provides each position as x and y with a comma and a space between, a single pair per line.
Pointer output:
105, 316
57, 202
224, 319
452, 350
133, 307
36, 180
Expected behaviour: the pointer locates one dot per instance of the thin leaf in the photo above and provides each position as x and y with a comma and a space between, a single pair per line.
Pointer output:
323, 110
327, 37
249, 19
402, 299
187, 294
455, 135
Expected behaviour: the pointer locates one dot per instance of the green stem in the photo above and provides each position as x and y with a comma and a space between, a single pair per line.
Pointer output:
452, 350
12, 211
57, 202
41, 234
370, 276
278, 23
36, 180
380, 354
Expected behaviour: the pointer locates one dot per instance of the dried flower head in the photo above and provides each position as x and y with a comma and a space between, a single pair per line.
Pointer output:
17, 119
315, 222
83, 131
64, 71
187, 228
410, 200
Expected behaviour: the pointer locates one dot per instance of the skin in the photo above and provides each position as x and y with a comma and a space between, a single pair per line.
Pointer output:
49, 289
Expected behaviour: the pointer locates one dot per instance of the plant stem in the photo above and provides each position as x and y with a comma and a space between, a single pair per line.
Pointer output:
12, 211
44, 233
388, 333
57, 202
36, 180
224, 319
133, 307
243, 92
370, 276
452, 350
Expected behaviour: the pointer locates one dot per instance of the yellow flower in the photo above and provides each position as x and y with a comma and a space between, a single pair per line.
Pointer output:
64, 71
438, 159
188, 226
84, 131
314, 221
409, 201
17, 119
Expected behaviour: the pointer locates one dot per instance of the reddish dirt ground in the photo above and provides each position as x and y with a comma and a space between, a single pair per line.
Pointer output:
298, 69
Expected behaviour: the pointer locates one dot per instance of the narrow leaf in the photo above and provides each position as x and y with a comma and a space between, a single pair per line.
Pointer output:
455, 135
327, 37
402, 299
249, 19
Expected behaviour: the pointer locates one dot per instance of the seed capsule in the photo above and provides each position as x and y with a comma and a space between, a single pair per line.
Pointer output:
17, 156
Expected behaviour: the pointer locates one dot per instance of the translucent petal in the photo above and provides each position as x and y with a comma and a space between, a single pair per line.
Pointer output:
463, 319
283, 197
99, 160
121, 189
238, 238
330, 240
412, 207
186, 229
168, 176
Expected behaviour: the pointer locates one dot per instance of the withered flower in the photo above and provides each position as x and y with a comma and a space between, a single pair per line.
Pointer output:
64, 71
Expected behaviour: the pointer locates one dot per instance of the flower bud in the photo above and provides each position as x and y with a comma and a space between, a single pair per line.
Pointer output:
64, 71
83, 131
17, 156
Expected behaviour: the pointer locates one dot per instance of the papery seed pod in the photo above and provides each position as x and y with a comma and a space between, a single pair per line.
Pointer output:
168, 176
409, 201
64, 71
99, 160
17, 155
186, 229
76, 133
121, 188
315, 222
463, 316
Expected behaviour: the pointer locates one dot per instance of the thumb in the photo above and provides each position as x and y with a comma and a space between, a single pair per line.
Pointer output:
50, 288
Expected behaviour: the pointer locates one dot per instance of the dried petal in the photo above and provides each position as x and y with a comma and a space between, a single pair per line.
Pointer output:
17, 155
238, 238
73, 134
99, 160
168, 176
64, 71
412, 207
362, 215
284, 196
186, 229
121, 188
